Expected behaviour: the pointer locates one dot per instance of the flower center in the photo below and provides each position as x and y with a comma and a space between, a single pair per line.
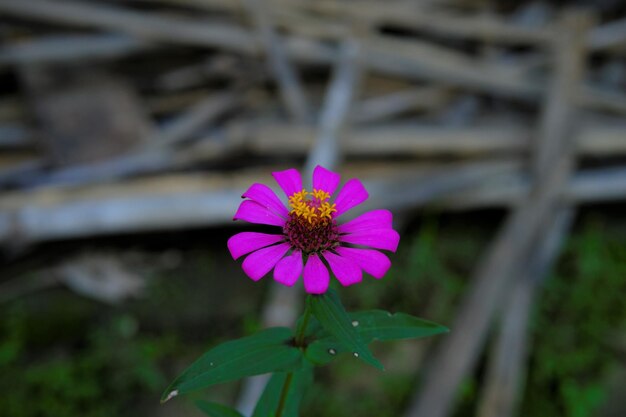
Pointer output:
311, 227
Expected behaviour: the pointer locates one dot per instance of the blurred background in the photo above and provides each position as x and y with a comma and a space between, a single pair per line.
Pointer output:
495, 131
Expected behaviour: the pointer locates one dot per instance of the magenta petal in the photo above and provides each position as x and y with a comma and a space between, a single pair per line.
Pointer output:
326, 180
264, 195
259, 263
246, 242
352, 194
375, 219
371, 261
289, 268
289, 180
387, 239
346, 270
316, 277
253, 212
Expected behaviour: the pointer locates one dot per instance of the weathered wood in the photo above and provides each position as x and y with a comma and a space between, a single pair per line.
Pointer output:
463, 111
194, 200
198, 74
326, 149
419, 140
89, 117
115, 208
12, 108
102, 276
602, 99
478, 27
415, 60
421, 60
193, 119
607, 36
58, 49
379, 141
406, 15
25, 169
291, 90
507, 366
510, 189
556, 125
431, 185
459, 351
160, 103
376, 109
15, 136
405, 45
153, 155
207, 34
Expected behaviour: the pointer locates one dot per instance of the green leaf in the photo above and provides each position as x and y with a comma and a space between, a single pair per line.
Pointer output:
330, 313
323, 351
268, 403
217, 410
382, 325
372, 325
270, 350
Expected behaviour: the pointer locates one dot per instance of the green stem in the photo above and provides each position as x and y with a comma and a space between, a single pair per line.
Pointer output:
299, 342
301, 331
283, 395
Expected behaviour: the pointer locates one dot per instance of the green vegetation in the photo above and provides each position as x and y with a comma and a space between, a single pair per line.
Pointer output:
98, 375
63, 355
581, 314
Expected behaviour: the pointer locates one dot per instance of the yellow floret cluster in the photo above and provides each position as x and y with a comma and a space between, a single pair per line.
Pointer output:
314, 209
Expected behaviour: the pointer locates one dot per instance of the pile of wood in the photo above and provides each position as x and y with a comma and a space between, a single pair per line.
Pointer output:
140, 115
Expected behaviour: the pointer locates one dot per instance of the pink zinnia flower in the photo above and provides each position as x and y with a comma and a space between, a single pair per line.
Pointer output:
311, 239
